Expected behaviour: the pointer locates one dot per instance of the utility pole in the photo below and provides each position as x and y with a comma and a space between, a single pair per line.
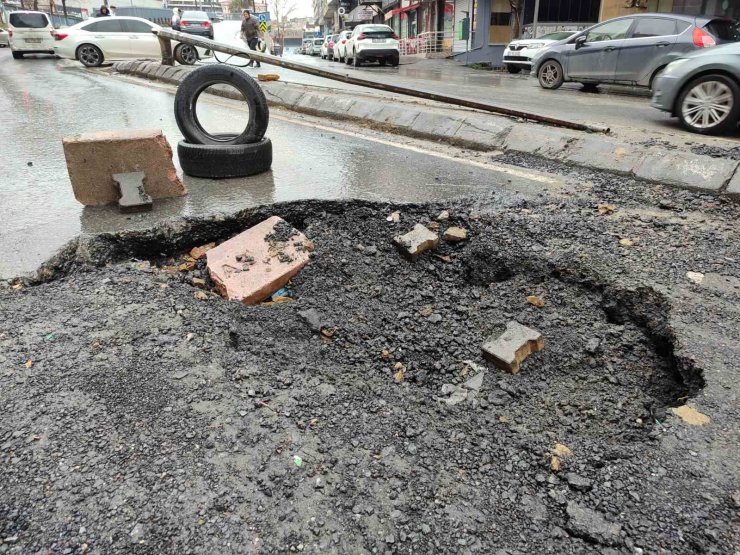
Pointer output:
536, 17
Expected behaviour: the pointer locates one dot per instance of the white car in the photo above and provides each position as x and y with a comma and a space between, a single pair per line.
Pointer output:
372, 42
30, 33
314, 49
340, 46
518, 54
4, 38
327, 47
105, 39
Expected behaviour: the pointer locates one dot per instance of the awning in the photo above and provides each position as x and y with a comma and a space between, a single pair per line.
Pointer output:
391, 13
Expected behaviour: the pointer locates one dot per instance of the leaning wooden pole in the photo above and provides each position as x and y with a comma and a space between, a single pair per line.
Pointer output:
244, 52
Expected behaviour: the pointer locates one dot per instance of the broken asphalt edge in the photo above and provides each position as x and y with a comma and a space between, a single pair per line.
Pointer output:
487, 132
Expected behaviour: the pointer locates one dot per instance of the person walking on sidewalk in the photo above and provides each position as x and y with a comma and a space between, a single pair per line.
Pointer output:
250, 33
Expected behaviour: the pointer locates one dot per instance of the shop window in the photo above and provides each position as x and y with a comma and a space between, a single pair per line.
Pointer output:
500, 25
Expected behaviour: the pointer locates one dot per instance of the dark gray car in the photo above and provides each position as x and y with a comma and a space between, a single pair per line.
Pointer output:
629, 50
702, 89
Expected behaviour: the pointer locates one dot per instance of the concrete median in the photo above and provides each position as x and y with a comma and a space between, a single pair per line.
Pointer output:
486, 132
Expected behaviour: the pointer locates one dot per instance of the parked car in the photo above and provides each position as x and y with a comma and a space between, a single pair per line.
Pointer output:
314, 49
4, 38
340, 46
196, 23
304, 46
518, 53
30, 33
372, 42
327, 47
106, 39
702, 89
629, 50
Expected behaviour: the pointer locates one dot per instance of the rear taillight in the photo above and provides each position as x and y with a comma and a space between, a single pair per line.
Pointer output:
184, 24
344, 41
394, 36
10, 32
331, 44
361, 36
702, 39
206, 24
59, 36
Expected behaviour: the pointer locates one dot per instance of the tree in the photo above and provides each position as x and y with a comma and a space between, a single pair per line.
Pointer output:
282, 10
236, 6
515, 20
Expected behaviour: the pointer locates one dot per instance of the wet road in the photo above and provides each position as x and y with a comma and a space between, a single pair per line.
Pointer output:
43, 100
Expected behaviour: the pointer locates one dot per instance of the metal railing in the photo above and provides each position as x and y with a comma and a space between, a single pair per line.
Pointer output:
426, 43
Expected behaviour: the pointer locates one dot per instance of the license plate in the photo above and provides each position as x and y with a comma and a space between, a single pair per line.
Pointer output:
34, 41
378, 40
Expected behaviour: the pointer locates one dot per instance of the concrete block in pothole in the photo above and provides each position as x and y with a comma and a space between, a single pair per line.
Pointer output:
540, 140
133, 195
733, 189
508, 350
416, 242
259, 261
93, 158
483, 130
602, 154
436, 125
455, 234
692, 171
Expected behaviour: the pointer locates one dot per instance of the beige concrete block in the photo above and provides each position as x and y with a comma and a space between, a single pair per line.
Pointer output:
259, 261
508, 350
93, 158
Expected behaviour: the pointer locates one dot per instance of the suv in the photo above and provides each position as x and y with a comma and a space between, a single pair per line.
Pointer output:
30, 33
314, 49
196, 23
372, 42
629, 50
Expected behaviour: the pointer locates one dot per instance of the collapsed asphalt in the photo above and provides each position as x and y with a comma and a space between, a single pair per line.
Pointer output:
140, 419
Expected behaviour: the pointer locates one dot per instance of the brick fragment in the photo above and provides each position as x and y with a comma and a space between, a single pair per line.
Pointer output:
259, 261
417, 241
93, 158
509, 349
455, 234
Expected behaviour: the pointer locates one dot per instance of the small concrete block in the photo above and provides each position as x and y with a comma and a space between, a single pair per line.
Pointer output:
93, 159
430, 123
417, 241
259, 261
455, 234
733, 189
603, 154
538, 140
508, 350
693, 171
133, 196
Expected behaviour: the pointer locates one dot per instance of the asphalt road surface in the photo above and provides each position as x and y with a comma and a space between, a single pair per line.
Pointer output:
43, 100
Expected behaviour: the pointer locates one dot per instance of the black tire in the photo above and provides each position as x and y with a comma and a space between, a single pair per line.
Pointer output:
382, 63
17, 55
394, 62
513, 69
356, 60
222, 161
550, 75
728, 122
90, 55
347, 60
186, 54
199, 80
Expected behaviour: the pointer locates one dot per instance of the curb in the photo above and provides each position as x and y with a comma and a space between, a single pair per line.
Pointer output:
480, 131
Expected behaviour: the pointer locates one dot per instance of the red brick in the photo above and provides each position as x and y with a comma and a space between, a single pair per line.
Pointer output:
93, 158
272, 262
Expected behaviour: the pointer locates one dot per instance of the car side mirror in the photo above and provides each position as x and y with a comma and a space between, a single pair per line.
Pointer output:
580, 41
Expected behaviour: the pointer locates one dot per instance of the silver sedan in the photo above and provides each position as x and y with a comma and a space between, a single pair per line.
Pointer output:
702, 89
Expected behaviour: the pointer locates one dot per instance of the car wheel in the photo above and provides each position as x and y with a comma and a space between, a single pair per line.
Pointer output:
382, 62
394, 62
550, 75
513, 69
186, 54
347, 60
17, 55
198, 81
355, 59
90, 55
709, 105
222, 161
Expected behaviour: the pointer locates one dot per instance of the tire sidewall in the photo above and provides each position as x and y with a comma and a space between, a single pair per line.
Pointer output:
732, 119
558, 82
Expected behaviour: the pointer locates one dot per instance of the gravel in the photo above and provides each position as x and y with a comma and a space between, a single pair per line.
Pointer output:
140, 419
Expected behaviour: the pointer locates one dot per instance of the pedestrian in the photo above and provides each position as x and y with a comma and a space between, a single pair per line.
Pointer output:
175, 21
250, 33
113, 11
104, 11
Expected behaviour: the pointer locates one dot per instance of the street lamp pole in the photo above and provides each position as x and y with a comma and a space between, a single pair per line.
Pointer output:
536, 17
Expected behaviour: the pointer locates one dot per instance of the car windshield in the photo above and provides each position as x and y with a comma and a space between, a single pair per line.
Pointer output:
380, 31
195, 16
318, 41
726, 30
28, 20
557, 36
